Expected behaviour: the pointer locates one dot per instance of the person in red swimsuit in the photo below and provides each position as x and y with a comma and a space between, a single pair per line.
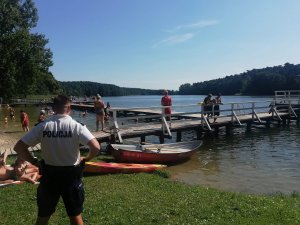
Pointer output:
166, 100
24, 120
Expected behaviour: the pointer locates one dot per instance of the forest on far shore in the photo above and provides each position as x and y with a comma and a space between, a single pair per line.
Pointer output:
253, 82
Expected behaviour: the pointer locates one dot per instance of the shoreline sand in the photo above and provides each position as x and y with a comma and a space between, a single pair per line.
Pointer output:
7, 142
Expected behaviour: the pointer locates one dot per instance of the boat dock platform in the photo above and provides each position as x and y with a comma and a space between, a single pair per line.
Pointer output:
128, 123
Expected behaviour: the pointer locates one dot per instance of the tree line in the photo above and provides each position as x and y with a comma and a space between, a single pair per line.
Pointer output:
253, 82
25, 60
87, 88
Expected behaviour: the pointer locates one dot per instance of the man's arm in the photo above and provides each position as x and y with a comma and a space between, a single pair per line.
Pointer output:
94, 146
23, 153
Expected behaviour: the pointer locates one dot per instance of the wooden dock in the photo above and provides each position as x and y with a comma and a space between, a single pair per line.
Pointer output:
26, 102
142, 122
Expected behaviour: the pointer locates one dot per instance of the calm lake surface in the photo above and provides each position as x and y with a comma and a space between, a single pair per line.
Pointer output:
261, 161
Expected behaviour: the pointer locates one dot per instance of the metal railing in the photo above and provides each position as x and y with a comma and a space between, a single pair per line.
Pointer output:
234, 110
287, 97
30, 101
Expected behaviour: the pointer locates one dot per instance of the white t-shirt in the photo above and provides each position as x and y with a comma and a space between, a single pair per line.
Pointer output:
60, 137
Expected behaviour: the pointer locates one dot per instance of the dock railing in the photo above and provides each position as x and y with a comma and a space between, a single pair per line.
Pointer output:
18, 101
139, 117
287, 97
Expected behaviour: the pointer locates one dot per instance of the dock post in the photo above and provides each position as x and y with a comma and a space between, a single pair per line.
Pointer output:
216, 131
143, 138
161, 138
199, 133
228, 129
268, 123
248, 126
112, 139
284, 122
178, 136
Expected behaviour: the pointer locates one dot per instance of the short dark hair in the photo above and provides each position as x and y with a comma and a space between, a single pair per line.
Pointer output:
60, 102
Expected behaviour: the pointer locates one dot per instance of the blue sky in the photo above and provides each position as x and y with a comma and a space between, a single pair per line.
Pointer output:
159, 44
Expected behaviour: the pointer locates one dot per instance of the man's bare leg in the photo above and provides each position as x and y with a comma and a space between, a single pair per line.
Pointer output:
76, 220
97, 124
102, 122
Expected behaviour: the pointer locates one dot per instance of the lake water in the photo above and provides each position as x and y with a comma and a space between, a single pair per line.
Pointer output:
260, 161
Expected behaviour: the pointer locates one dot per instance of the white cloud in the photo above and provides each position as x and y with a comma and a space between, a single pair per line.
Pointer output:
197, 25
180, 38
175, 39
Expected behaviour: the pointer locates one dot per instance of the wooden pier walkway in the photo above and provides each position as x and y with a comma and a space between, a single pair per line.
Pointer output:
141, 122
48, 101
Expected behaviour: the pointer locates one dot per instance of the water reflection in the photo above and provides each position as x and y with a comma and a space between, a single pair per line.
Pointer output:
265, 161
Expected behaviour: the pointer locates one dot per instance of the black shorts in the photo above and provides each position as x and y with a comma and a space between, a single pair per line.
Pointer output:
216, 110
208, 109
60, 181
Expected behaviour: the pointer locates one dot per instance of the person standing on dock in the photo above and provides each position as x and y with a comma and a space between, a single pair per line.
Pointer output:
207, 102
106, 111
217, 103
24, 120
99, 110
61, 165
166, 100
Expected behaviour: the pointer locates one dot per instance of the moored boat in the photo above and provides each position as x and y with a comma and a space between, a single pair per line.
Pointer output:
155, 153
106, 168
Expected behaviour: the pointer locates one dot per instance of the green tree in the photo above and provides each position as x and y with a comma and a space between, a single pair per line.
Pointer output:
24, 57
253, 82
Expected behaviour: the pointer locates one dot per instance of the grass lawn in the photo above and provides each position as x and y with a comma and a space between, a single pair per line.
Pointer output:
152, 199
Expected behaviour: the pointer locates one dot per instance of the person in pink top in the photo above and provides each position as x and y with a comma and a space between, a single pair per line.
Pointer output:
24, 120
166, 100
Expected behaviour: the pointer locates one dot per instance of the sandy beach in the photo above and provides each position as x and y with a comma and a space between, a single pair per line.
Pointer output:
7, 142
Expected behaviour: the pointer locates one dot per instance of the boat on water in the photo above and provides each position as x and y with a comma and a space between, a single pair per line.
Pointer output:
155, 153
107, 168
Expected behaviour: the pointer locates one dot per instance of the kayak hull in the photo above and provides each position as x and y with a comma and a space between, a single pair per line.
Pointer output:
106, 168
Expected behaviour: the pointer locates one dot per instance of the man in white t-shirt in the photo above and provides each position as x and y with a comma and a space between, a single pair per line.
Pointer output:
61, 164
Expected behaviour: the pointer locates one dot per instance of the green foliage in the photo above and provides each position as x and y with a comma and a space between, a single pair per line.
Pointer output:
25, 62
86, 88
254, 82
151, 199
24, 58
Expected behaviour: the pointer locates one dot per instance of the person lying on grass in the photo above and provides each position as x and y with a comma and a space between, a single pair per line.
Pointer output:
20, 171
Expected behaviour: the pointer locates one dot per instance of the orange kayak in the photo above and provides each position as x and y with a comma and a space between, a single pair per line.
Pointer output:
104, 168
